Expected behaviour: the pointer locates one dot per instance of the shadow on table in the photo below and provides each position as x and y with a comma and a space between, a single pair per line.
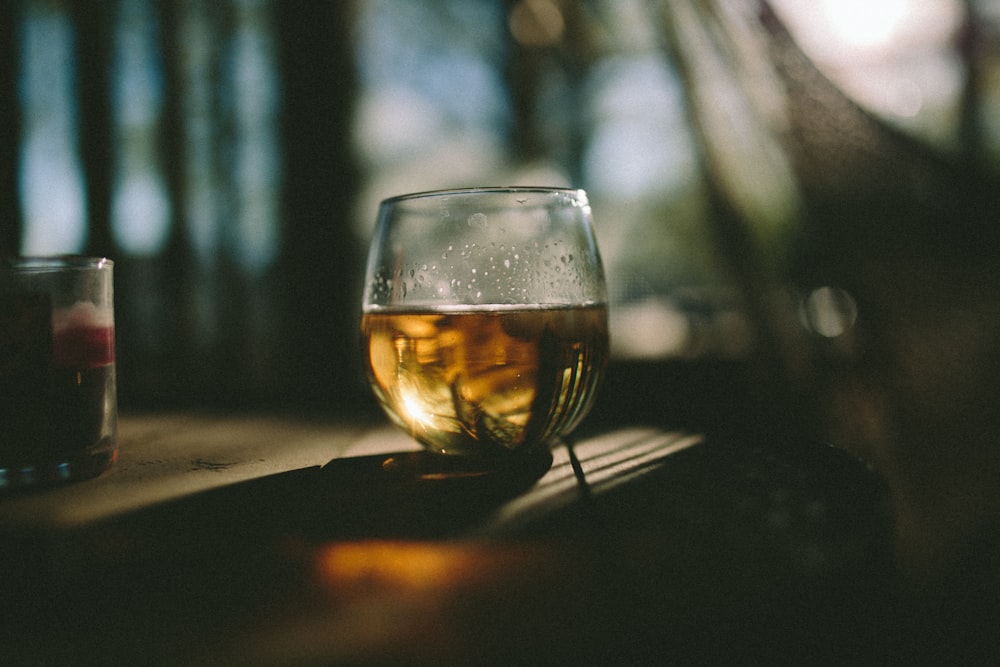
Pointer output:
402, 495
668, 550
174, 575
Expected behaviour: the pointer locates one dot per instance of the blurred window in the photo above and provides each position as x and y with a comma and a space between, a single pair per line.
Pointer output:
52, 190
230, 155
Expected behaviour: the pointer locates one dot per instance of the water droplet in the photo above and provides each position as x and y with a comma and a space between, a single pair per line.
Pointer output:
478, 220
506, 263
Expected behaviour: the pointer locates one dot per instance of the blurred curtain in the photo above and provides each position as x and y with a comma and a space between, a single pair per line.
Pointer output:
869, 257
876, 284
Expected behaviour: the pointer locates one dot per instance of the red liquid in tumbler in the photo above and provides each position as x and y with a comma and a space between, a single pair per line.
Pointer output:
57, 383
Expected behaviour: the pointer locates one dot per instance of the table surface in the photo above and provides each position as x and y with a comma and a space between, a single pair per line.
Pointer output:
276, 539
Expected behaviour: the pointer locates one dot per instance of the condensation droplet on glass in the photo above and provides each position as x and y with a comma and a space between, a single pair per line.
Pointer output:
478, 220
506, 263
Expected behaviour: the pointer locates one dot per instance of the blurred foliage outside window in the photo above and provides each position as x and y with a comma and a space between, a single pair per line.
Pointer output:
231, 155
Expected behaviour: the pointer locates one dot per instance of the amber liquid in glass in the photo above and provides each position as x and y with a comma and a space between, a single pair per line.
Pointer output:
486, 379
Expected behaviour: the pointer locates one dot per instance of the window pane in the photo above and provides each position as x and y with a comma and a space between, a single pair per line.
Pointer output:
53, 199
140, 208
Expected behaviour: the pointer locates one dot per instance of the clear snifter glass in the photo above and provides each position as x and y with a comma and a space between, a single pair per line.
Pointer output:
484, 325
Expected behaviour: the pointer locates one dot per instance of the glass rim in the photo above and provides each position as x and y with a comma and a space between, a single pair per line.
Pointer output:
488, 189
42, 263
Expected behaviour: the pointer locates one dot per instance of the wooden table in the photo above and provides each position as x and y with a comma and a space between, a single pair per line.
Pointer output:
289, 540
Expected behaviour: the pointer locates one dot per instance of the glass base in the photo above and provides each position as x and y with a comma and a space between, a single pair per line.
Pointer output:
83, 465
